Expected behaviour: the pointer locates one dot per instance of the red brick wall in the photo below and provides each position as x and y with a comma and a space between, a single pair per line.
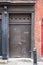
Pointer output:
38, 18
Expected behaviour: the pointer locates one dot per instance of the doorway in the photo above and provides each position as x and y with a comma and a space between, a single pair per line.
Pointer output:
20, 35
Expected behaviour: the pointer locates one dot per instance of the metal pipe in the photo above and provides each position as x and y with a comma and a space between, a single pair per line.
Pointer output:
34, 57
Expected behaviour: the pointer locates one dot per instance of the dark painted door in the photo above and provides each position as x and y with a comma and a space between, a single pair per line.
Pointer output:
20, 35
0, 37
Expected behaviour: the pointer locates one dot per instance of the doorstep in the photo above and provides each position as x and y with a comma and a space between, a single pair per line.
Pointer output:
21, 59
3, 61
15, 60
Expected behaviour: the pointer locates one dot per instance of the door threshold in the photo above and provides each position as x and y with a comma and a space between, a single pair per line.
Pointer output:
20, 59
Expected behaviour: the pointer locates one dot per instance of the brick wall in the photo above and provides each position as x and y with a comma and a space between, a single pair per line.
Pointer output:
38, 18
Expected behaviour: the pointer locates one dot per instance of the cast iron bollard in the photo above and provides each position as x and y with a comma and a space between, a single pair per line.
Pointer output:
34, 57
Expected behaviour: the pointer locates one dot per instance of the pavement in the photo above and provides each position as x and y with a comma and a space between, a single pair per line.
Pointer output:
20, 62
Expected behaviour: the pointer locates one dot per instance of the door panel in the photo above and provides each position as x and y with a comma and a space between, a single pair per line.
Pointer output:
20, 40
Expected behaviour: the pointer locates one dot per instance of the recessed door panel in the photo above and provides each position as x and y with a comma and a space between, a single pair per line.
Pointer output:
20, 39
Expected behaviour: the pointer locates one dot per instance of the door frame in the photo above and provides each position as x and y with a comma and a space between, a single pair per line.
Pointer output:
5, 15
32, 28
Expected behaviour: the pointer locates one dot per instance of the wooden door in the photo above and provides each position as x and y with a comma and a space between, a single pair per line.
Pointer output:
20, 36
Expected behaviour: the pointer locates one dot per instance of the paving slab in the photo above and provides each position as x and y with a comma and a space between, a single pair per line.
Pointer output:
20, 62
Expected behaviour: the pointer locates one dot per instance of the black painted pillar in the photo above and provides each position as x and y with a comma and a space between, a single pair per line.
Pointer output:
4, 32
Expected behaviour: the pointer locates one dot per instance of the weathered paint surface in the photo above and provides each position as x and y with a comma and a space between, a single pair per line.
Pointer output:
4, 33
